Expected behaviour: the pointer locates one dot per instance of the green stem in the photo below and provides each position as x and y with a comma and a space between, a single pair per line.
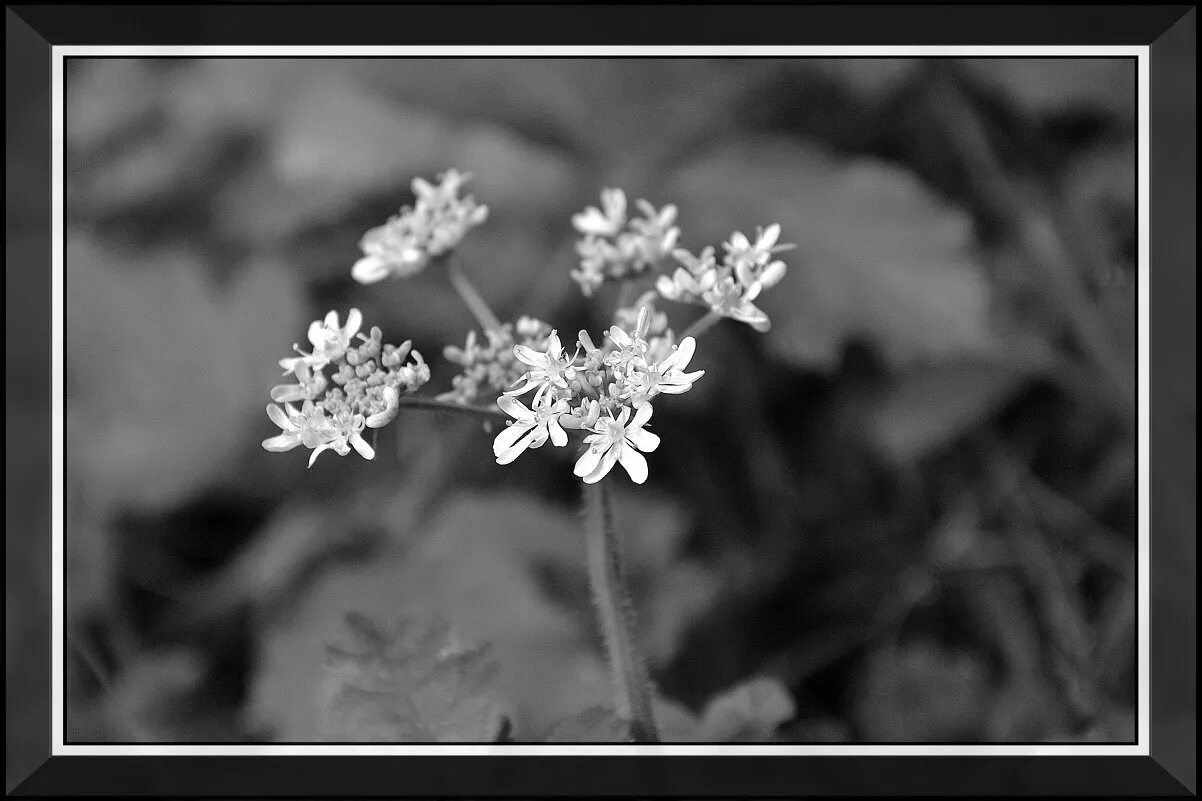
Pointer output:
413, 402
471, 298
632, 685
701, 324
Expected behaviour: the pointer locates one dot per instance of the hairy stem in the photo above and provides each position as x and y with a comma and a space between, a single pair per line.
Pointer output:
471, 298
701, 324
632, 685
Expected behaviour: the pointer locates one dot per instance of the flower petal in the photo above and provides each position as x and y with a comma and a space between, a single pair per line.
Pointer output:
535, 438
559, 437
281, 443
641, 416
392, 401
354, 319
514, 407
530, 384
530, 356
369, 270
282, 393
768, 238
620, 337
604, 466
317, 451
317, 333
588, 461
279, 418
679, 358
360, 445
772, 274
667, 288
643, 439
634, 463
506, 439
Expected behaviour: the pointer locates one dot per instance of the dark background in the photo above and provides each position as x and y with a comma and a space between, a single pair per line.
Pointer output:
912, 502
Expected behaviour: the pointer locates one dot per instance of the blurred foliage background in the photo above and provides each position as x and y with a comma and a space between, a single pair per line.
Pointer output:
912, 503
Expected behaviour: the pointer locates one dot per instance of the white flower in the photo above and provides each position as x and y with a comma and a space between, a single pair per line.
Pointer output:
389, 249
552, 369
603, 223
348, 433
632, 347
683, 285
690, 281
655, 236
329, 343
668, 376
312, 428
436, 223
583, 416
614, 247
309, 427
615, 441
732, 300
753, 263
529, 428
308, 386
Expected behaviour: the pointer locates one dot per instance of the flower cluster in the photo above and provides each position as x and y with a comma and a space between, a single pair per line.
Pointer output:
490, 367
603, 390
730, 288
434, 225
616, 247
369, 379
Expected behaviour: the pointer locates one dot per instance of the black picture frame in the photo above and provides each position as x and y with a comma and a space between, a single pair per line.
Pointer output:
1170, 30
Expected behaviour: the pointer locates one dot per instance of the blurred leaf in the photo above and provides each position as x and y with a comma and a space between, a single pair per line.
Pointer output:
472, 568
1044, 86
1099, 191
593, 106
931, 406
409, 683
165, 374
106, 97
166, 168
749, 712
147, 701
335, 143
922, 692
878, 257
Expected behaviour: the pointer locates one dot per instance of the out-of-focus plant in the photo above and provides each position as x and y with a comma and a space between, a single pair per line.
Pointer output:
601, 391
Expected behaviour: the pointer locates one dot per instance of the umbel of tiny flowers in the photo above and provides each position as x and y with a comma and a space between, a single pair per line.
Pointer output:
433, 226
369, 380
604, 391
489, 364
729, 289
614, 247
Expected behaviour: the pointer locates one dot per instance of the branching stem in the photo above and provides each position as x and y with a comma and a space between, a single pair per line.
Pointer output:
471, 298
413, 402
701, 324
632, 685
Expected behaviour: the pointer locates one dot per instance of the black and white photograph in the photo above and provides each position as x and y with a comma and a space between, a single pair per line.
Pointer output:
554, 400
737, 402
